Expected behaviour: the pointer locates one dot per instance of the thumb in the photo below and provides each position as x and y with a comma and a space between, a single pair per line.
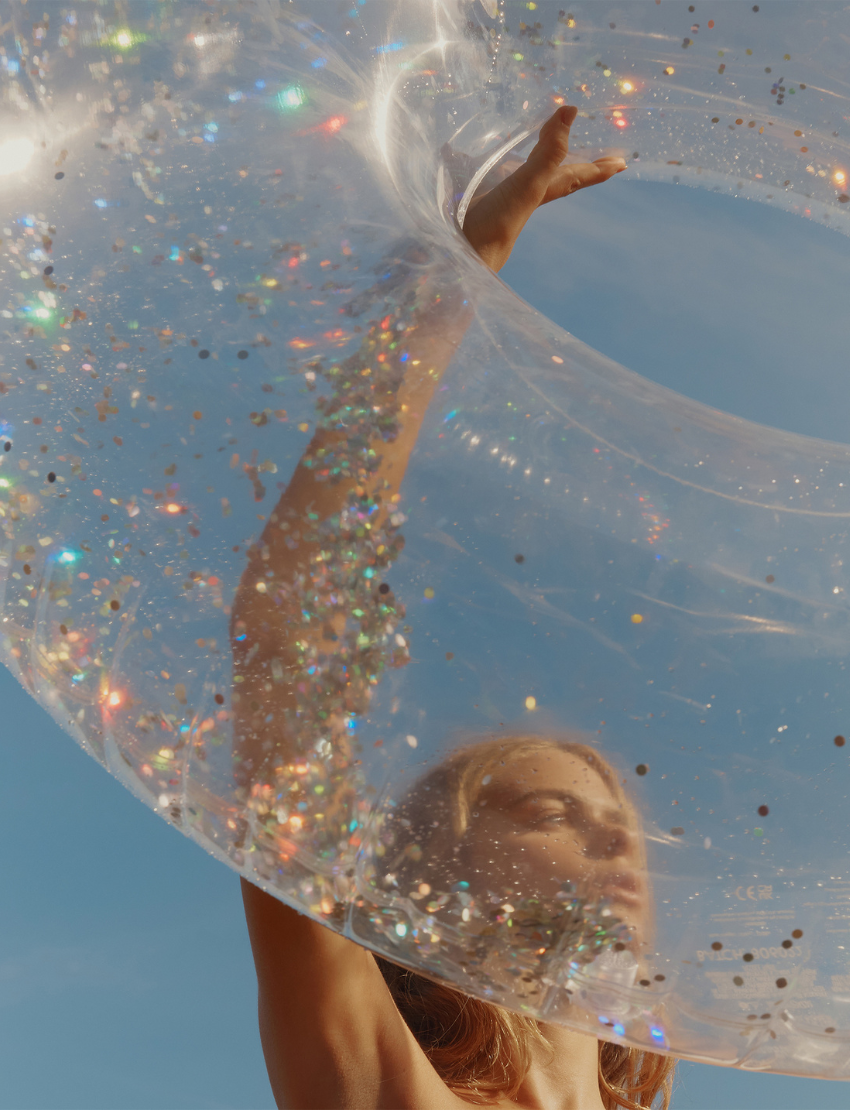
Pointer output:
569, 179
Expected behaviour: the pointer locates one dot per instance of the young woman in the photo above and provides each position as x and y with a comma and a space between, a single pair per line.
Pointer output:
340, 1028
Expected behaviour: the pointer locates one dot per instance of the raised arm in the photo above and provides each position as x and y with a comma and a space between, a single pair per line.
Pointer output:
356, 462
331, 1033
291, 610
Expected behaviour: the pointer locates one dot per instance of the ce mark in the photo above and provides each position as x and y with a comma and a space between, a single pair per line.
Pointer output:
751, 895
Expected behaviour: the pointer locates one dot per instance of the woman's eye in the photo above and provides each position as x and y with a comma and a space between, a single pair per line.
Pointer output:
548, 817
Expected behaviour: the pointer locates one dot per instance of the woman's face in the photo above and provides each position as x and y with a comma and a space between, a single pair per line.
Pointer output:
548, 818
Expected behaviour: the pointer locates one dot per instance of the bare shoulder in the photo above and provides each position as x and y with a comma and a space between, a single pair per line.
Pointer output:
332, 1035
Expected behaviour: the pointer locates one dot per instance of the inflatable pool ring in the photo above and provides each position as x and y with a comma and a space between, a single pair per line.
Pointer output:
394, 596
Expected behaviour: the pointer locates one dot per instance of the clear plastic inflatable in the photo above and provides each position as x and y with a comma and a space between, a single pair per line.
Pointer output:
395, 597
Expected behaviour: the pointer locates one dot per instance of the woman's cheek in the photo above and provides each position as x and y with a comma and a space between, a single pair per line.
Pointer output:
548, 861
536, 863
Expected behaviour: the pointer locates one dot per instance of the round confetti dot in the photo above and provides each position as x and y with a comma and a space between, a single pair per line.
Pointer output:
829, 1029
242, 354
769, 578
781, 983
641, 769
63, 629
644, 982
763, 811
48, 270
104, 517
839, 741
450, 655
383, 588
659, 978
677, 830
748, 957
58, 176
637, 618
797, 934
428, 592
715, 119
530, 702
115, 605
219, 699
519, 558
51, 477
7, 446
197, 415
788, 944
203, 354
738, 981
716, 945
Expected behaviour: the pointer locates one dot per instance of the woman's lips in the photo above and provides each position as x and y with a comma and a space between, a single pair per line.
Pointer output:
623, 888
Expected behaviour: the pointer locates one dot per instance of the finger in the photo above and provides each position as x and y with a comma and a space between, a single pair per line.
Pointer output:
553, 144
569, 179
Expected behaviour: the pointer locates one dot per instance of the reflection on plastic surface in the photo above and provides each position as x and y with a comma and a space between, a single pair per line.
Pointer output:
394, 596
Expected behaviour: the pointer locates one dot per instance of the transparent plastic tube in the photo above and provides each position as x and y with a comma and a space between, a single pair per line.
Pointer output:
394, 596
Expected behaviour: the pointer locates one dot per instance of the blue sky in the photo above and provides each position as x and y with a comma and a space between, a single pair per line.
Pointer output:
125, 974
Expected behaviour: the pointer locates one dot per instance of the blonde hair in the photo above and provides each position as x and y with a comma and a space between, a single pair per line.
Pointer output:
480, 1050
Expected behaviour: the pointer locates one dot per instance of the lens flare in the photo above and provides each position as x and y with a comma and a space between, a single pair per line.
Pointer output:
291, 97
15, 155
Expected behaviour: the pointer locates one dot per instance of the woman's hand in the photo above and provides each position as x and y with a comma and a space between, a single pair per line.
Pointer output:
495, 219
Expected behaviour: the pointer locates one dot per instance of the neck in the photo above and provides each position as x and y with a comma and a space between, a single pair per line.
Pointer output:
565, 1078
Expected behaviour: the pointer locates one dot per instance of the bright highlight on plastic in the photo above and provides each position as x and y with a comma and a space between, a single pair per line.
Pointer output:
15, 156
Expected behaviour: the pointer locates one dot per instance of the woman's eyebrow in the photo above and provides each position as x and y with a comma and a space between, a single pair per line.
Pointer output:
547, 792
613, 816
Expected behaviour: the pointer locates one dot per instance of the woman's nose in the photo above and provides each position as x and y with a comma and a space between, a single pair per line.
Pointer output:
607, 841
